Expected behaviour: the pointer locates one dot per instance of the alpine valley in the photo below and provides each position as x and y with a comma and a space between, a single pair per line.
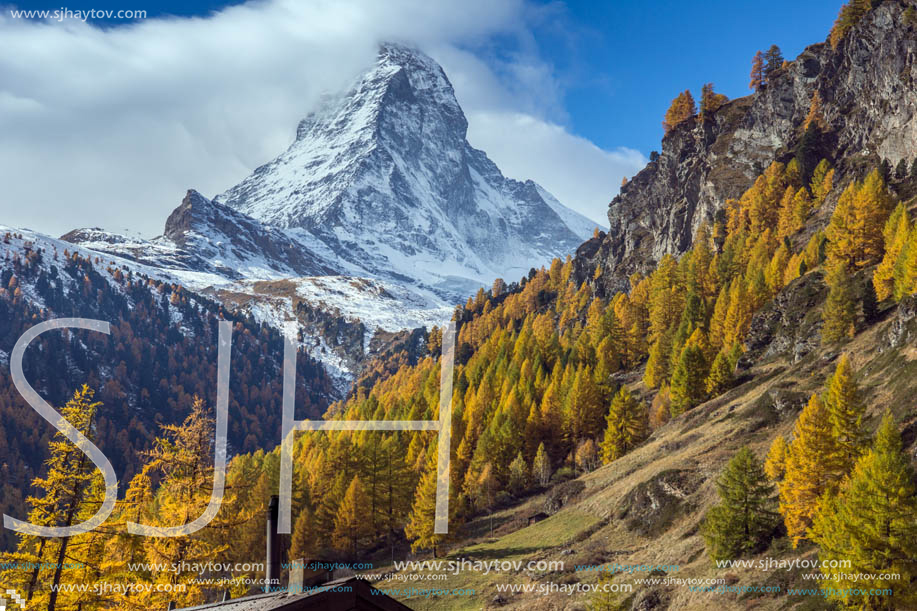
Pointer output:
379, 216
698, 408
377, 221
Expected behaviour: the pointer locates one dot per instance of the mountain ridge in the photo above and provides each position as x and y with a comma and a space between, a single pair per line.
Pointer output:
380, 201
705, 162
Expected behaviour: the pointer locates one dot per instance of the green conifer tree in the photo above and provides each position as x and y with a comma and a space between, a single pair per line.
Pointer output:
744, 521
871, 524
839, 312
845, 410
689, 379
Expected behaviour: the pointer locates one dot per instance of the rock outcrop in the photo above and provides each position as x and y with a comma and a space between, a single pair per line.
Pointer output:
866, 88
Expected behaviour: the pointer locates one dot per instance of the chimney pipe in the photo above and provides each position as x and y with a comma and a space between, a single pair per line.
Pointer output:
272, 573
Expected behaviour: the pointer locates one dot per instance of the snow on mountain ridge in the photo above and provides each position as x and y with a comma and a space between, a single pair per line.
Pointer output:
385, 177
379, 216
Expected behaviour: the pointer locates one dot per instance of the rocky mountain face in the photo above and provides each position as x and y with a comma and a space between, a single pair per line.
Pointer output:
866, 89
205, 237
385, 177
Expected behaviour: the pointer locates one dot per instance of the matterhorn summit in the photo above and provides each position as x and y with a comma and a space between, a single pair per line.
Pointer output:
380, 215
385, 177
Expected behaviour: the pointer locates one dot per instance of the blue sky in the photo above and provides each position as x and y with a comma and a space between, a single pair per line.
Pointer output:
570, 94
635, 56
620, 63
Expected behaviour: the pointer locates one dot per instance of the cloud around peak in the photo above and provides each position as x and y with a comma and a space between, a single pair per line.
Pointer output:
109, 127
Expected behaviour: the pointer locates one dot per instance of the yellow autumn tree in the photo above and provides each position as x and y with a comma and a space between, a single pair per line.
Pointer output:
895, 238
626, 425
811, 469
855, 229
839, 311
351, 525
775, 462
871, 525
845, 406
681, 109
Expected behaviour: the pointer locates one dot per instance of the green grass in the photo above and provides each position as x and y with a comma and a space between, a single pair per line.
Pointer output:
532, 541
551, 532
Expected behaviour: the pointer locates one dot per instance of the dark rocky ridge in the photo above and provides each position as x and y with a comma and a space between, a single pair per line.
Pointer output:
866, 86
205, 236
193, 225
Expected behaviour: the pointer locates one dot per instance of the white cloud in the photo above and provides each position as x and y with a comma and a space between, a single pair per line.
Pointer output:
577, 172
109, 127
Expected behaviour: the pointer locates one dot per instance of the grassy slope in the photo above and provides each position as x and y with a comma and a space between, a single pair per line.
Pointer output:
688, 453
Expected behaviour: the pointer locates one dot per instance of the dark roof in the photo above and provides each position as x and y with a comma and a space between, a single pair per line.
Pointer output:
360, 597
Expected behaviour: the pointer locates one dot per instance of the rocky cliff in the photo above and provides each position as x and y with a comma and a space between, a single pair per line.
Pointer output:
866, 88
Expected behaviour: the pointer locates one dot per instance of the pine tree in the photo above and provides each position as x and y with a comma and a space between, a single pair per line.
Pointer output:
689, 377
303, 544
850, 14
626, 426
775, 463
744, 521
658, 363
583, 409
814, 252
757, 72
773, 59
182, 461
855, 229
874, 205
871, 524
894, 236
822, 181
811, 469
682, 108
398, 488
845, 411
351, 525
65, 492
420, 525
839, 312
842, 229
906, 267
814, 117
518, 475
721, 374
710, 101
541, 466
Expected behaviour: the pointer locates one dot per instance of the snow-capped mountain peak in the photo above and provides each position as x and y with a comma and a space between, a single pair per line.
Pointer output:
380, 213
385, 177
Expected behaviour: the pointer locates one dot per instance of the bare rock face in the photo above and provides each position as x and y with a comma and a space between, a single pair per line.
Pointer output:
213, 232
204, 236
790, 323
903, 328
866, 87
652, 506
